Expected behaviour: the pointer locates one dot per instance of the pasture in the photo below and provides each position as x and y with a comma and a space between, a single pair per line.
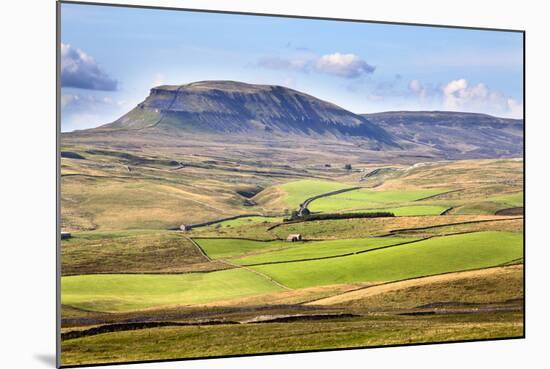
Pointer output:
123, 262
294, 193
320, 249
220, 248
429, 257
366, 198
369, 227
127, 292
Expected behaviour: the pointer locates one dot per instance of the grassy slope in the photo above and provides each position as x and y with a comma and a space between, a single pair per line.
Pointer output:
246, 221
413, 210
512, 200
438, 255
119, 292
311, 250
433, 256
512, 225
226, 248
365, 198
144, 189
296, 192
359, 228
491, 286
185, 342
112, 203
131, 251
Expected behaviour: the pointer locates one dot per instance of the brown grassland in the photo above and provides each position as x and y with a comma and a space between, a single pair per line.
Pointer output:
160, 293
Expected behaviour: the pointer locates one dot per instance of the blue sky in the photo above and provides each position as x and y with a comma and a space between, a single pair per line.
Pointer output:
112, 56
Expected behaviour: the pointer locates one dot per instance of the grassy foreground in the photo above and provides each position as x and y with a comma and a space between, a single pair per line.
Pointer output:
179, 342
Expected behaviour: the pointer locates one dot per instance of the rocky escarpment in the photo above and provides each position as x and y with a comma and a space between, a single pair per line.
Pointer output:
234, 107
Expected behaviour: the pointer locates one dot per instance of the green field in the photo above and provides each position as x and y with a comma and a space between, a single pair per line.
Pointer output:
428, 257
297, 192
223, 248
126, 292
512, 200
433, 256
364, 199
320, 249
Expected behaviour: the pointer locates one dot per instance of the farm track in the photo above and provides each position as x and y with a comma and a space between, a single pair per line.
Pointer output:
309, 200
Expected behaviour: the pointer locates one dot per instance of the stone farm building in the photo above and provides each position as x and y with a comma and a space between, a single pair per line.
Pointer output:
294, 237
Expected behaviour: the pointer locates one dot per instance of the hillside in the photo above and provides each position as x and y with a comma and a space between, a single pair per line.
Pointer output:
275, 121
228, 107
453, 135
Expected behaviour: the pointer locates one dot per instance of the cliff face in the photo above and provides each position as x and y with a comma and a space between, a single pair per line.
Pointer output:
234, 107
453, 134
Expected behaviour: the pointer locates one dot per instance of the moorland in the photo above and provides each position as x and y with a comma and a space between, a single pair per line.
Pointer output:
180, 213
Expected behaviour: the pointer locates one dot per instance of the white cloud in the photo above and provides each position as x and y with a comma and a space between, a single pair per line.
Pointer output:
461, 95
515, 108
343, 65
418, 88
337, 64
80, 111
297, 64
80, 70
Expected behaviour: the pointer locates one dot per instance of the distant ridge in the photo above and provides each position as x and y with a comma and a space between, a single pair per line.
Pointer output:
276, 115
229, 107
453, 134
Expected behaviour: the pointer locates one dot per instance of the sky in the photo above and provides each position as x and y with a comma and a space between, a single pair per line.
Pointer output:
111, 57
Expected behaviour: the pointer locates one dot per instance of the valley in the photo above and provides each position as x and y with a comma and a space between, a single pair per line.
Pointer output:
202, 226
